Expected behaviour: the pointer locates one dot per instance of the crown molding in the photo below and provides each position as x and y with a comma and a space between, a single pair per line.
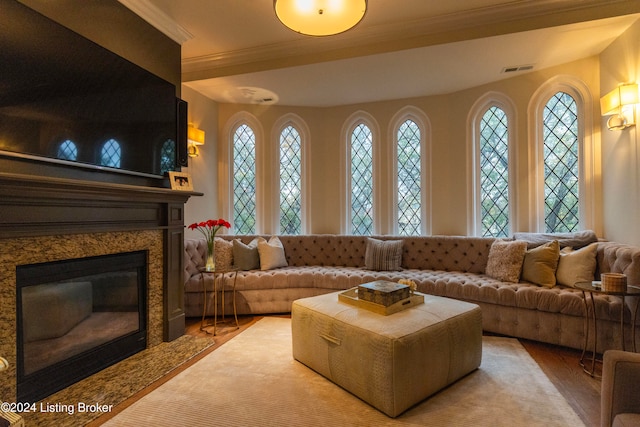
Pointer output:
158, 19
516, 16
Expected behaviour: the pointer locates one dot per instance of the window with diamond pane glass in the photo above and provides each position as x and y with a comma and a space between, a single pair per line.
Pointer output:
409, 179
561, 168
111, 154
361, 181
290, 181
68, 150
494, 173
167, 156
244, 180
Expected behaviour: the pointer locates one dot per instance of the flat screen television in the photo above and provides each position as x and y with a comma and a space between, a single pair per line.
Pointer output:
66, 99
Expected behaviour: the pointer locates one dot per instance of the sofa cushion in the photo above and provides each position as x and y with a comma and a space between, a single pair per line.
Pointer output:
540, 264
223, 254
505, 260
271, 253
576, 266
245, 256
383, 255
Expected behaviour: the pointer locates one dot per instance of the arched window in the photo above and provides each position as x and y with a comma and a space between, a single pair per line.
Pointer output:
167, 156
244, 180
565, 161
111, 154
494, 173
561, 168
409, 158
67, 150
290, 181
361, 174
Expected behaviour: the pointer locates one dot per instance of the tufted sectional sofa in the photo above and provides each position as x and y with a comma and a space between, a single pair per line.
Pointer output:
449, 266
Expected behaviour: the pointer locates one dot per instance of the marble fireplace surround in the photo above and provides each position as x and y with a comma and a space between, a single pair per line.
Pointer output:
46, 219
31, 250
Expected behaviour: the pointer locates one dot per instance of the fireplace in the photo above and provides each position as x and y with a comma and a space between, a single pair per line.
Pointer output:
76, 317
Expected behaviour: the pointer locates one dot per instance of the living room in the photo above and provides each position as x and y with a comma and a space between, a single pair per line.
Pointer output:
611, 157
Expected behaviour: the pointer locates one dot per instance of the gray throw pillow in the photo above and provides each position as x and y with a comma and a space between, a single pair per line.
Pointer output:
246, 257
383, 255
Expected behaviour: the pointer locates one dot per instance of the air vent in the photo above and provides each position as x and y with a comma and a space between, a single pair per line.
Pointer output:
517, 68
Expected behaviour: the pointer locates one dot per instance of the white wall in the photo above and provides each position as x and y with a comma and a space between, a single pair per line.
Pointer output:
620, 63
203, 113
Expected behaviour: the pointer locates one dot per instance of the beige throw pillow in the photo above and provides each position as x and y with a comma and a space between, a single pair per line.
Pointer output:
540, 264
505, 260
577, 266
271, 253
223, 254
383, 255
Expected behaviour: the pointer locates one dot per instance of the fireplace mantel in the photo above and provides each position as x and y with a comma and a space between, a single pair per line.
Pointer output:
32, 205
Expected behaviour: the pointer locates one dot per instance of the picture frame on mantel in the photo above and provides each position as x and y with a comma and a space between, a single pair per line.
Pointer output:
181, 181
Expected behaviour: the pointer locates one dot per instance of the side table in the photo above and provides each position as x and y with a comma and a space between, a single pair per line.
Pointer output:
592, 288
222, 275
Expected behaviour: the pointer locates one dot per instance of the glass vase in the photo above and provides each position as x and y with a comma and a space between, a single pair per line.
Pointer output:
211, 259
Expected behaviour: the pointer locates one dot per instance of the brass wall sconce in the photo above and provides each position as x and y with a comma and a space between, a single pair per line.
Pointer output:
620, 104
195, 137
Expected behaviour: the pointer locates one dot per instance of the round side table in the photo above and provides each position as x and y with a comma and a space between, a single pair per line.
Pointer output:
221, 275
592, 288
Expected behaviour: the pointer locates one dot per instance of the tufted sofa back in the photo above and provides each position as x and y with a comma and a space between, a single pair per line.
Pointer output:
448, 253
619, 258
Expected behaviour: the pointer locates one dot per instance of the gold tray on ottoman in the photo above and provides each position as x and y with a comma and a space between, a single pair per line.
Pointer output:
350, 296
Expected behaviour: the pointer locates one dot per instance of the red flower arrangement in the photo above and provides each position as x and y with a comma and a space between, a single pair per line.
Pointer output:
209, 228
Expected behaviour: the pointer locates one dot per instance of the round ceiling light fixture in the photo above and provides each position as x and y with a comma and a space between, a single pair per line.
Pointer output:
320, 17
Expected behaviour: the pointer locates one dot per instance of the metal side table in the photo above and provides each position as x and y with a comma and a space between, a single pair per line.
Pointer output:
221, 275
591, 325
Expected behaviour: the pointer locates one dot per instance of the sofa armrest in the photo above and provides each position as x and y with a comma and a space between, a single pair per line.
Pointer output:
620, 385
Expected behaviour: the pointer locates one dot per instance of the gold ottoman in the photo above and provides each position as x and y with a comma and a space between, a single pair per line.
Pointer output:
391, 362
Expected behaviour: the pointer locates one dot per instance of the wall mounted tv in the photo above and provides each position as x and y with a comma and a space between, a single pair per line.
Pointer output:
66, 99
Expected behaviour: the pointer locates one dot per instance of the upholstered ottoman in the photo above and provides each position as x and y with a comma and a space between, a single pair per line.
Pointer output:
391, 362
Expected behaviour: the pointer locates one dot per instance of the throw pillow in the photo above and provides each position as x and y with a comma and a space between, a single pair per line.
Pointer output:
505, 260
540, 264
577, 266
245, 257
271, 253
383, 255
223, 254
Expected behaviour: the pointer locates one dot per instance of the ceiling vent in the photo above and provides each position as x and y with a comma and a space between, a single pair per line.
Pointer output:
517, 68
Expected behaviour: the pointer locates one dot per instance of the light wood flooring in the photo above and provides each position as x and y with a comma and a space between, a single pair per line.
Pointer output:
560, 364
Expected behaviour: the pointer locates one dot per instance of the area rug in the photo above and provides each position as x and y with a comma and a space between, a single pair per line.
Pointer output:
253, 380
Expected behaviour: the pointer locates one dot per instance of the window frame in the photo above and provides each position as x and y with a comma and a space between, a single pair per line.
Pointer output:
301, 127
356, 119
422, 121
586, 154
476, 114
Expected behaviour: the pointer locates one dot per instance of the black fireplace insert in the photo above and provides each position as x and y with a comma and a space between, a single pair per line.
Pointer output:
76, 317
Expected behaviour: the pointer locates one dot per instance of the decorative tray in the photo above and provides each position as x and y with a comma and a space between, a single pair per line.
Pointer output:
350, 296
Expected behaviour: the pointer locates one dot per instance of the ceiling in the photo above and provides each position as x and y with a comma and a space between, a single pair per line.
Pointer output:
236, 51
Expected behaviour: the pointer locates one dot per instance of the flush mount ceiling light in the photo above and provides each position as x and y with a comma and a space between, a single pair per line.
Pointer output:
320, 17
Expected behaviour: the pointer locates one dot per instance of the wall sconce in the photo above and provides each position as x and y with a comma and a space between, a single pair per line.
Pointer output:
620, 105
320, 17
195, 137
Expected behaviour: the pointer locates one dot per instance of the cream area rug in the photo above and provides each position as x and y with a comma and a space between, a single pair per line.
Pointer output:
253, 380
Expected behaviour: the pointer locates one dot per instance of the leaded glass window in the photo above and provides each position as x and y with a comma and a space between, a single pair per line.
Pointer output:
494, 173
561, 168
409, 179
290, 181
244, 180
111, 154
67, 150
167, 156
361, 181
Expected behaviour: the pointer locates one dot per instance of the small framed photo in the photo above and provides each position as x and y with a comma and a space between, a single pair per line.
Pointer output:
180, 181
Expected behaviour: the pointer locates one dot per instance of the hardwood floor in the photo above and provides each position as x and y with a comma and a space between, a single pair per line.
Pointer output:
560, 364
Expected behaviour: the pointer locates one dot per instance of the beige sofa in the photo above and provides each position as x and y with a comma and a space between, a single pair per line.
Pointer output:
448, 266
